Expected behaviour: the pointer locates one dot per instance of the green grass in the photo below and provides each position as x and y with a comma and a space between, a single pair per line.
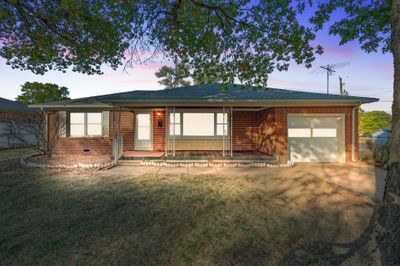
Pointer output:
58, 217
7, 154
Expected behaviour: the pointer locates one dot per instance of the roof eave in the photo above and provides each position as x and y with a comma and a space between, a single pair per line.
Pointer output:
208, 102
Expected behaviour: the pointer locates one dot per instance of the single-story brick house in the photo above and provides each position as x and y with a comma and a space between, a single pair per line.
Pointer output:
291, 125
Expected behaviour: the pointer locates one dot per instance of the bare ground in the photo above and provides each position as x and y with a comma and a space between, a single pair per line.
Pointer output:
154, 217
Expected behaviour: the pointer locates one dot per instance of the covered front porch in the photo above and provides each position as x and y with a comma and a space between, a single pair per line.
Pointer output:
188, 133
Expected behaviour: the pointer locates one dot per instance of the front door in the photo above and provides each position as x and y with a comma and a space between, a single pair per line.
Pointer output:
143, 131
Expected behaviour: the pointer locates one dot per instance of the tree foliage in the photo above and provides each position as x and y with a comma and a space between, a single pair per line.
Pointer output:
370, 122
36, 92
179, 75
172, 77
241, 39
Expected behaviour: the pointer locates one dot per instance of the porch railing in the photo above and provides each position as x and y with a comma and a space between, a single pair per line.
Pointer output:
118, 147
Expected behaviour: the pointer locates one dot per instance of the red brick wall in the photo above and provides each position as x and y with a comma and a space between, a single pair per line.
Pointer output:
280, 127
267, 137
77, 145
159, 132
245, 130
127, 126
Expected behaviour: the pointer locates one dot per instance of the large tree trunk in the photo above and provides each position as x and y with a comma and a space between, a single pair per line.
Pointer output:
388, 223
383, 246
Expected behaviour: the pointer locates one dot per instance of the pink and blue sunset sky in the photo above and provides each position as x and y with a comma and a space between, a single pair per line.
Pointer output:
367, 75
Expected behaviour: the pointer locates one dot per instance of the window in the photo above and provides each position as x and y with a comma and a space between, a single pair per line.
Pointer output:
94, 124
77, 124
198, 124
222, 124
175, 124
299, 132
85, 124
324, 132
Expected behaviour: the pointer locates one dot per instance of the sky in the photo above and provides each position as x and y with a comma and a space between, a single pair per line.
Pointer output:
367, 75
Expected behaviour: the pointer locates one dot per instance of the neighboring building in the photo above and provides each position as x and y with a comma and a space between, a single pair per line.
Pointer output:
291, 125
8, 111
381, 137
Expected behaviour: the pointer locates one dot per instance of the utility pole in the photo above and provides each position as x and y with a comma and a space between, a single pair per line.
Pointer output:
341, 85
329, 71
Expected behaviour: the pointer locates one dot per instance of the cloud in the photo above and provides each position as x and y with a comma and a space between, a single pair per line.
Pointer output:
140, 81
386, 68
342, 52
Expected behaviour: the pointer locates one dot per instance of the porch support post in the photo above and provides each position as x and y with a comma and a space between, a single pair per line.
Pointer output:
230, 128
223, 133
166, 132
174, 147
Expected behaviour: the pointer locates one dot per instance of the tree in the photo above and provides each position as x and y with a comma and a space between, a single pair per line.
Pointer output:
23, 127
376, 26
172, 77
177, 76
247, 39
36, 92
370, 122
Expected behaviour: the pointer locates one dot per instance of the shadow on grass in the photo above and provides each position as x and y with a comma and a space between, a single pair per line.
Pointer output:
57, 217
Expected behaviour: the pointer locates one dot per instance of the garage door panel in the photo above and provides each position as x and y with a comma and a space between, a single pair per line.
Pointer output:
304, 122
324, 122
325, 149
322, 144
300, 150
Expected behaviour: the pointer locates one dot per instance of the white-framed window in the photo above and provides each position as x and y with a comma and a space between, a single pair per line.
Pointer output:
83, 124
192, 124
222, 124
198, 124
299, 132
77, 124
175, 125
94, 122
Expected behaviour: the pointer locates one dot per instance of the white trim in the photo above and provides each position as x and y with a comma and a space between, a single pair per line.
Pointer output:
138, 148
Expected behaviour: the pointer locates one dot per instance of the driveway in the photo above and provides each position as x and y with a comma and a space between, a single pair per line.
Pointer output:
361, 178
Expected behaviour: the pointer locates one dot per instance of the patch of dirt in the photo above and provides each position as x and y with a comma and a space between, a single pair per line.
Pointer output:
70, 160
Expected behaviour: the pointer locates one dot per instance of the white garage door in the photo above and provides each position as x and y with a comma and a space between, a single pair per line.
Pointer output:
316, 138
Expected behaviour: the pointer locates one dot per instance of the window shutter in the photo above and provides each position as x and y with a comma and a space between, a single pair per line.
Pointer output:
62, 125
105, 123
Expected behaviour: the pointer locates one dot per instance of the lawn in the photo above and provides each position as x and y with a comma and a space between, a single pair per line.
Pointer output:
100, 217
7, 154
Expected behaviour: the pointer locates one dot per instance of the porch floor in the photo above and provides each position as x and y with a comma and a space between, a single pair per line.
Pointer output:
197, 155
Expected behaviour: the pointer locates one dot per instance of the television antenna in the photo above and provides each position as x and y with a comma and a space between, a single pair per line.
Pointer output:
330, 69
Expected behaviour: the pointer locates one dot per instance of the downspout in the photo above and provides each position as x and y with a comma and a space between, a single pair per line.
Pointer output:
353, 133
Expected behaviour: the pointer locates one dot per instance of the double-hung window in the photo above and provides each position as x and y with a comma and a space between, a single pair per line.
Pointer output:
77, 124
222, 124
85, 124
175, 125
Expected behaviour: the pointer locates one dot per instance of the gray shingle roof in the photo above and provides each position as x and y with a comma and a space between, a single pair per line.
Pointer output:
8, 105
210, 92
